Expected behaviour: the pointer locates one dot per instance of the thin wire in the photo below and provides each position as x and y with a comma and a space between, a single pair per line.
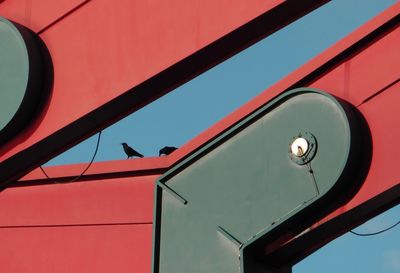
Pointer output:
87, 167
376, 233
44, 172
311, 171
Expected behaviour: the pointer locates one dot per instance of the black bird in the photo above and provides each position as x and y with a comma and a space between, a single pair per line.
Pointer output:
167, 150
130, 152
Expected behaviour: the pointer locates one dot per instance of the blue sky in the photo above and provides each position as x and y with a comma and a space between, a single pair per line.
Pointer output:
179, 116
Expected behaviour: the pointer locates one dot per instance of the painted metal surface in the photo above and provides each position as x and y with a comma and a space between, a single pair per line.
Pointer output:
38, 14
97, 226
216, 206
370, 79
21, 78
105, 201
78, 249
112, 58
379, 192
100, 249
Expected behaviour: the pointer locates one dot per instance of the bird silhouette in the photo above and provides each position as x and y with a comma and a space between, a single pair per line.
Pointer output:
129, 151
166, 150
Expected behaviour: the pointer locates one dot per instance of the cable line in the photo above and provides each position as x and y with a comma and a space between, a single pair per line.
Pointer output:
87, 167
376, 233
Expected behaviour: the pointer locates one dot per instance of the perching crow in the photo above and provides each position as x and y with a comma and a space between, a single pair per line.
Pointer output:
130, 152
167, 150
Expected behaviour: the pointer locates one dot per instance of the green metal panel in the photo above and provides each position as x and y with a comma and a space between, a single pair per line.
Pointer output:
216, 206
20, 76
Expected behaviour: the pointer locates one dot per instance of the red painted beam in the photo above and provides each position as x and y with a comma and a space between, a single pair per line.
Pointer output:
121, 200
112, 58
329, 71
38, 14
100, 170
81, 249
103, 225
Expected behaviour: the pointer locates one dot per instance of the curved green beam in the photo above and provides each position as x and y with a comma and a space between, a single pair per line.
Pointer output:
216, 210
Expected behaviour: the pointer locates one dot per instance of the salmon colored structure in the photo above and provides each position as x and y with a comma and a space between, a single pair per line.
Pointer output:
109, 59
